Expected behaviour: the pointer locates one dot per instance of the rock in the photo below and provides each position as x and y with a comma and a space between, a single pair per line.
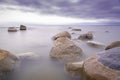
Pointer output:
106, 31
76, 29
69, 27
7, 61
22, 27
12, 29
65, 48
95, 44
28, 55
102, 66
74, 66
113, 44
86, 36
62, 34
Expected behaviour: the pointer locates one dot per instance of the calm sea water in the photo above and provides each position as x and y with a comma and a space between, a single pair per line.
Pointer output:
39, 40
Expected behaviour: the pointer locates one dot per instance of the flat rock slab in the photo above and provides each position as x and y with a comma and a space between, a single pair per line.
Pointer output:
111, 58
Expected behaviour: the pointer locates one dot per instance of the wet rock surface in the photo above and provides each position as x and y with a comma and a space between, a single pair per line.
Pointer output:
113, 45
65, 48
62, 34
111, 58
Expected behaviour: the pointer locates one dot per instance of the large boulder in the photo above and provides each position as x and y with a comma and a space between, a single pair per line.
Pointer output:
103, 66
12, 29
113, 44
7, 61
66, 49
86, 36
62, 34
22, 27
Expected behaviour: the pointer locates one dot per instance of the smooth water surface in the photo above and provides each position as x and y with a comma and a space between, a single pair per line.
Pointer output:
39, 40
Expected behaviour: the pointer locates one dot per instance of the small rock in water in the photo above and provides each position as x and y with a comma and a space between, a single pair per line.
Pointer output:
76, 29
95, 44
69, 27
28, 55
86, 36
22, 27
12, 29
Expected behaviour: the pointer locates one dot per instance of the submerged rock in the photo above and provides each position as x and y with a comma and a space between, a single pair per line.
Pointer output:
113, 44
95, 44
76, 29
103, 66
7, 61
12, 29
62, 34
65, 48
22, 27
28, 56
86, 36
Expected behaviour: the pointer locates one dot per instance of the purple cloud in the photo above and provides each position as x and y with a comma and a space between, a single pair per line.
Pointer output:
79, 8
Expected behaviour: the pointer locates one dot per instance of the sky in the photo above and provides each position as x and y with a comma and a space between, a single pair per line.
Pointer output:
53, 12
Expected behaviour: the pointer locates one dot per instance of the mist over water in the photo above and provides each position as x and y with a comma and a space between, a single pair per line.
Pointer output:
39, 40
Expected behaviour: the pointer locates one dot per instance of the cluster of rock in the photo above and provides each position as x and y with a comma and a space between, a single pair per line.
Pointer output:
64, 47
100, 66
14, 29
104, 65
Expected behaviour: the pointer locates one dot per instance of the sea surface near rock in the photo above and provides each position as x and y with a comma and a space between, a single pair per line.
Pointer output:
38, 40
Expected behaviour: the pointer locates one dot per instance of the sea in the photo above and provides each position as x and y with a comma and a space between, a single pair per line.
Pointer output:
38, 39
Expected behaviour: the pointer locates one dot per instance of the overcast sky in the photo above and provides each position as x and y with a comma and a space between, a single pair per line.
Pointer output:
59, 11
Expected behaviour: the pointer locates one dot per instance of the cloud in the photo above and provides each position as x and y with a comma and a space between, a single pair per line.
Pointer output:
70, 8
20, 17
